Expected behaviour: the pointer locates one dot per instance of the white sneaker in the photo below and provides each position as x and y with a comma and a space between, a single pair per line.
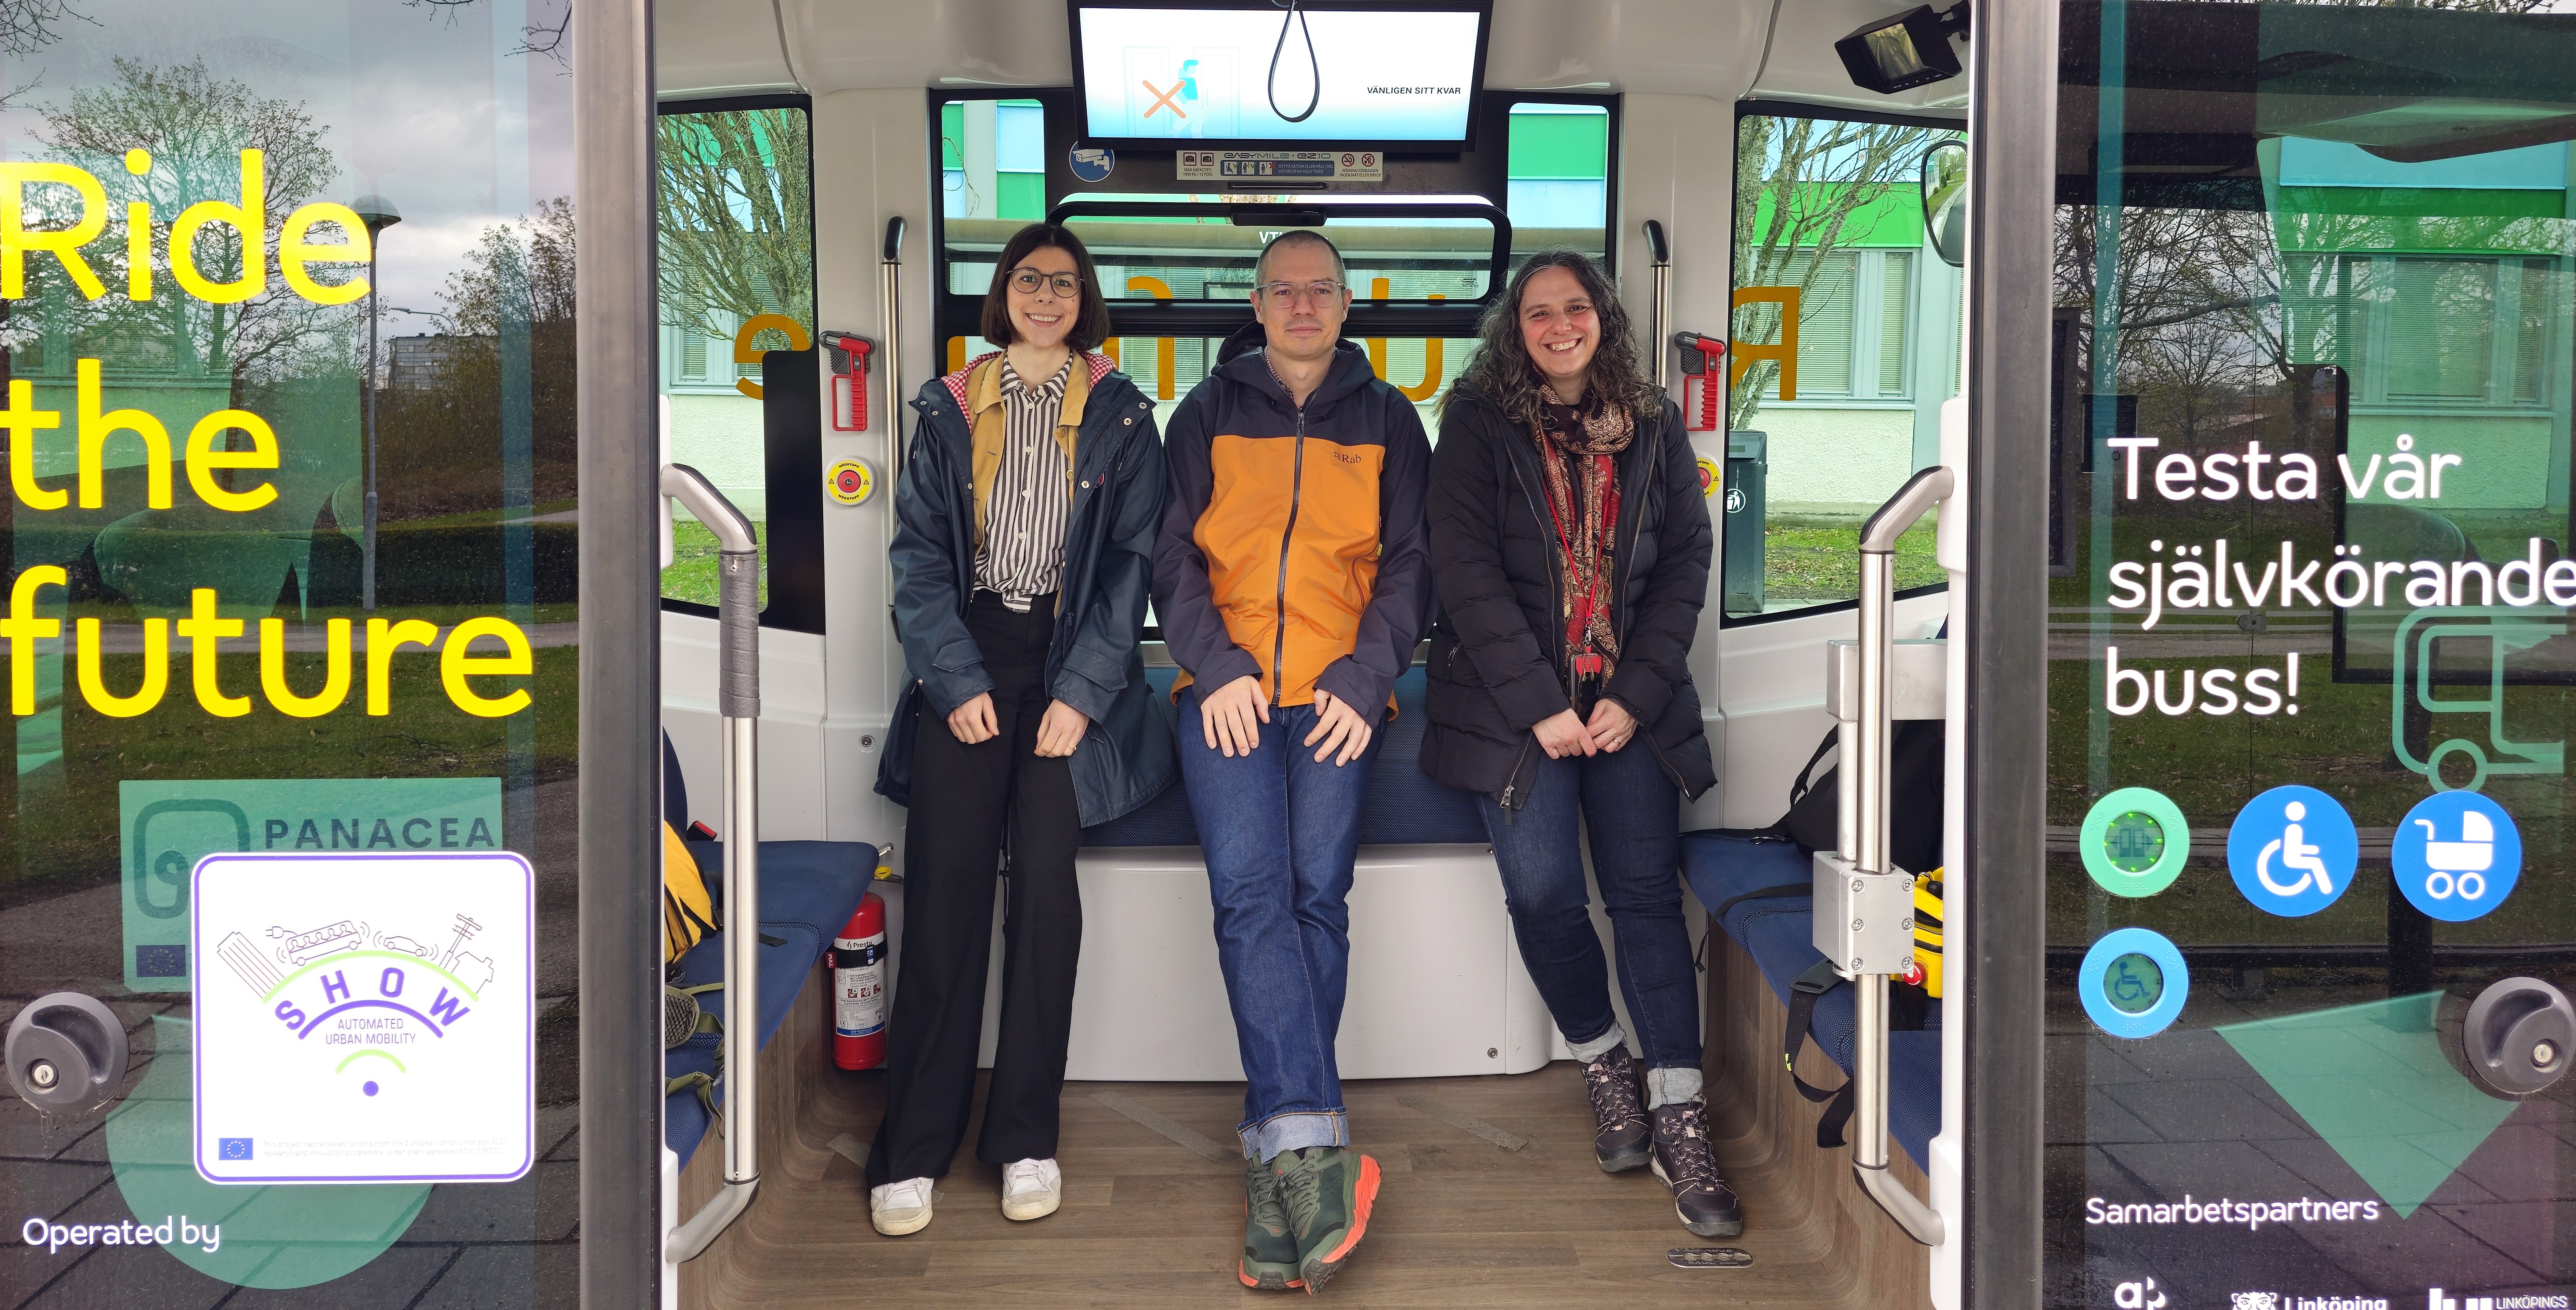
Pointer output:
900, 1208
1031, 1189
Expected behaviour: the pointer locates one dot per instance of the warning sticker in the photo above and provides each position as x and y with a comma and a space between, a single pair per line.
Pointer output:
364, 1018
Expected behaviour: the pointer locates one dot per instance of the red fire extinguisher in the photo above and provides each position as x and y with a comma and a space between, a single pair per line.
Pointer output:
859, 988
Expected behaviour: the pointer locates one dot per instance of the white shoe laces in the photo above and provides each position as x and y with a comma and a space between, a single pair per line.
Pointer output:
910, 1194
1025, 1176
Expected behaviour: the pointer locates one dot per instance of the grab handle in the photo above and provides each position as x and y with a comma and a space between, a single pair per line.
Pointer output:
1869, 848
738, 705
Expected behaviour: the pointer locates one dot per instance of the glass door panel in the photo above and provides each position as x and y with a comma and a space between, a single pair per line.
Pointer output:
2309, 931
287, 937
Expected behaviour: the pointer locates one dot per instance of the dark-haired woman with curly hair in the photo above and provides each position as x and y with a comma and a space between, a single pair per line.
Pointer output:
1570, 546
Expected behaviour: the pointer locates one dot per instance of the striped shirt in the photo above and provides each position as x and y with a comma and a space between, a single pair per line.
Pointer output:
1027, 510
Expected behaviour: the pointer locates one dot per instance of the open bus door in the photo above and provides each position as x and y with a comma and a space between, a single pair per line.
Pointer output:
300, 895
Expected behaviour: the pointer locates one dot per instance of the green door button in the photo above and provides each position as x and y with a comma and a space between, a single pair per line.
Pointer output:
2134, 842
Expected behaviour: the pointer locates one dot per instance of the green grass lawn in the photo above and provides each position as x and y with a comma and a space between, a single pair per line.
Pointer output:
692, 575
1808, 560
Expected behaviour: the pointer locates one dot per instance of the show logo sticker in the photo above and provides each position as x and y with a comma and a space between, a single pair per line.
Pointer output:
364, 1017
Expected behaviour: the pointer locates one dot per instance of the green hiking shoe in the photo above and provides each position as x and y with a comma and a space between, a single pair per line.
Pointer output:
1328, 1191
1269, 1248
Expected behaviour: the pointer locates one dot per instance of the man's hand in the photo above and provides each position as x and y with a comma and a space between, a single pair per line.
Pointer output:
1227, 716
1562, 734
1340, 726
1612, 725
973, 721
1061, 730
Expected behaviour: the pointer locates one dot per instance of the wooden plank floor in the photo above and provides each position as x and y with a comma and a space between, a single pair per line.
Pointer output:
1147, 1223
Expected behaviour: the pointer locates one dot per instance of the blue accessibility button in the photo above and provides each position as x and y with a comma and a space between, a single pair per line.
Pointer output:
2292, 851
2133, 983
2456, 855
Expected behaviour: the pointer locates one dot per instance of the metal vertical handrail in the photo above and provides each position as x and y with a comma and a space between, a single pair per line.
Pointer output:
1662, 254
890, 292
890, 267
1870, 829
738, 705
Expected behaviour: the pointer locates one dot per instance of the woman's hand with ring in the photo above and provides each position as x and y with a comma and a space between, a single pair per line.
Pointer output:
1612, 725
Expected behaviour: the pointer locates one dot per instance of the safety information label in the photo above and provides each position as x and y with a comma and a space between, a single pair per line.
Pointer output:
364, 1018
1285, 165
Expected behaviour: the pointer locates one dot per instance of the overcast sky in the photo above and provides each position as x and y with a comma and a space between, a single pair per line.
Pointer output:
428, 106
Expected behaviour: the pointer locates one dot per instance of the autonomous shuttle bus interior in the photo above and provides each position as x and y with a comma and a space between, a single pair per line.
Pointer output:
453, 643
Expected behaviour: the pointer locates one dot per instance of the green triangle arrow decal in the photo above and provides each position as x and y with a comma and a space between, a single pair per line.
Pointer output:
2372, 1082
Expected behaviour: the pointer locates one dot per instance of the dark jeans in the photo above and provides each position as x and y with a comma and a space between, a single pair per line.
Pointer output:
964, 800
1280, 833
1632, 812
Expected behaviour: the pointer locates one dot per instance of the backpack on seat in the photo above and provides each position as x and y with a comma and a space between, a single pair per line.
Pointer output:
688, 912
1914, 814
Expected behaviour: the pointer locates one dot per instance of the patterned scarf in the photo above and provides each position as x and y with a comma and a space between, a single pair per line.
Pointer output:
1583, 504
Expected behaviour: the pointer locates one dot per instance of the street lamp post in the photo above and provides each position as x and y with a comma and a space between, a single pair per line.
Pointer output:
378, 214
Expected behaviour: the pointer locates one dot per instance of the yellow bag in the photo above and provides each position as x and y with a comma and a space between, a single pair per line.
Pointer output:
1927, 930
688, 913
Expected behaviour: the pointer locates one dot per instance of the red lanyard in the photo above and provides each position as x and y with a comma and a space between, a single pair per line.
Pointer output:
1580, 619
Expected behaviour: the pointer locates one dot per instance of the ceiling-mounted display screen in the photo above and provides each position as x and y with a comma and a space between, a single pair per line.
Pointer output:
1156, 76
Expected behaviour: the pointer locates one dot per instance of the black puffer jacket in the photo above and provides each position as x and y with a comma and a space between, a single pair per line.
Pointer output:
1493, 559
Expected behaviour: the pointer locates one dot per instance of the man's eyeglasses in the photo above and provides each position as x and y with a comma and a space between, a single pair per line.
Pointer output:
1026, 281
1284, 294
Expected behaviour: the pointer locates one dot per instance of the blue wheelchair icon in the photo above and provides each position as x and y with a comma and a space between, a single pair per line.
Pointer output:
2292, 851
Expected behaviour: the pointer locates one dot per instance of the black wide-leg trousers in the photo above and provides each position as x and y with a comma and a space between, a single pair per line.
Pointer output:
964, 799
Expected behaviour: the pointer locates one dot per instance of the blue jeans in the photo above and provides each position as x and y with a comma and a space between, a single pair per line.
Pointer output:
1633, 814
1280, 833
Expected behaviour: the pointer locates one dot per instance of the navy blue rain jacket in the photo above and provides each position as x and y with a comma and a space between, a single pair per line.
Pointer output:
1095, 666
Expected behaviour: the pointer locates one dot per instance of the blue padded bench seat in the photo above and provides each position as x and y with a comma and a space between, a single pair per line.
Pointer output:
1404, 805
1778, 933
808, 889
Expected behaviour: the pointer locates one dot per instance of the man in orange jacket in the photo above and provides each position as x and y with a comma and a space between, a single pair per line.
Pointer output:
1292, 579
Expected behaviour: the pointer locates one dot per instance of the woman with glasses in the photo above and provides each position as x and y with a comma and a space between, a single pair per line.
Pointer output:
1022, 552
1570, 546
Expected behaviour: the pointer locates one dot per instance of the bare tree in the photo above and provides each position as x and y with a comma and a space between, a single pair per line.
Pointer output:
1814, 174
30, 25
195, 128
545, 35
736, 202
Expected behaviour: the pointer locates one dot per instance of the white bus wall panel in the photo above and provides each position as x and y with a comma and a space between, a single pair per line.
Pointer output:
791, 775
872, 163
1437, 988
1676, 166
1774, 702
1435, 982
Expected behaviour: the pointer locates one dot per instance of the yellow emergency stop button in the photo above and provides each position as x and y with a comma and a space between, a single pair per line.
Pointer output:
851, 482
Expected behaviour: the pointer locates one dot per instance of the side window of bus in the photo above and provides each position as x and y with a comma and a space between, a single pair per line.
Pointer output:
1845, 344
737, 269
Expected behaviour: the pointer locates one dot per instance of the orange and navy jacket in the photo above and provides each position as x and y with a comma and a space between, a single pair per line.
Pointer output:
1293, 546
